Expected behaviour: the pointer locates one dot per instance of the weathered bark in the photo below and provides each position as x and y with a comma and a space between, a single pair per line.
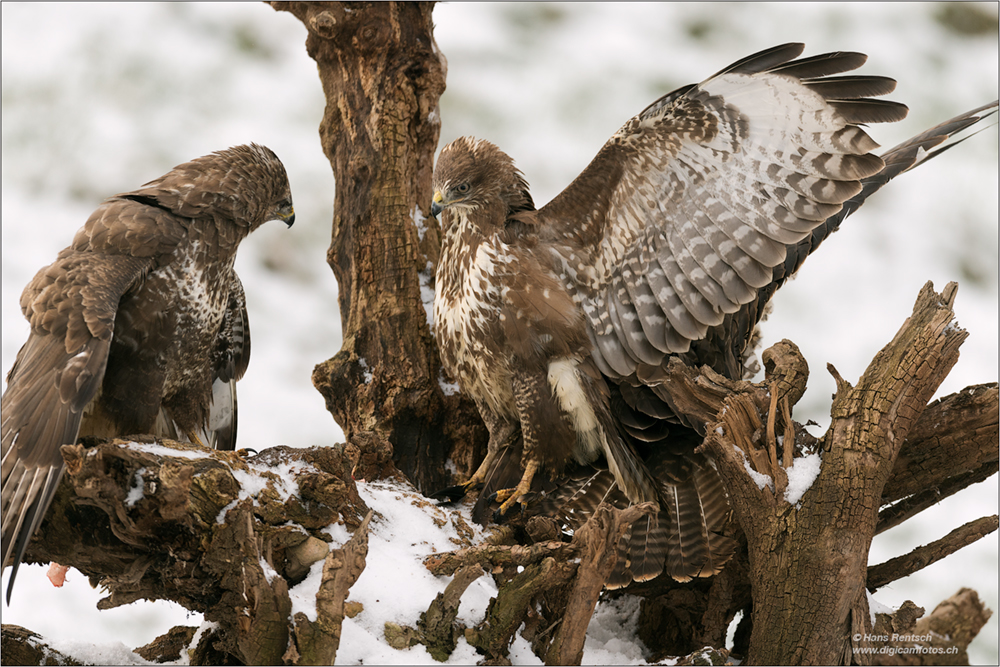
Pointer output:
514, 603
942, 638
955, 435
808, 562
166, 520
548, 578
21, 646
316, 642
496, 556
382, 76
437, 629
598, 541
168, 646
903, 566
918, 502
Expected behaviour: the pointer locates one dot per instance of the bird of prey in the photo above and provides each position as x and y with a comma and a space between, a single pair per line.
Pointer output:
556, 321
138, 327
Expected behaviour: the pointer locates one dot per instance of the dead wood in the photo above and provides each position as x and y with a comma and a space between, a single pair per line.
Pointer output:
170, 646
492, 556
21, 646
150, 519
597, 541
382, 75
437, 629
437, 624
316, 642
513, 604
793, 624
906, 637
903, 566
955, 435
896, 514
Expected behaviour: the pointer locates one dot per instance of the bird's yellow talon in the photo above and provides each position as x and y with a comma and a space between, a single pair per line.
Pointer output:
509, 502
503, 495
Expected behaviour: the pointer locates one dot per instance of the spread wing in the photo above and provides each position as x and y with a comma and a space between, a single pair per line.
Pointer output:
685, 212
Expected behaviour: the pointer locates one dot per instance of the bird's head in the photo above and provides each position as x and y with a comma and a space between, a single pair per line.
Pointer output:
244, 185
473, 174
257, 167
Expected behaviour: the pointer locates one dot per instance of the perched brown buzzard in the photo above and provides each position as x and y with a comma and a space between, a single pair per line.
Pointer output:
557, 321
139, 326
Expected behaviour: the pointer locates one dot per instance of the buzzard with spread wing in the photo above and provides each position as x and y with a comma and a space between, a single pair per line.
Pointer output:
139, 326
556, 321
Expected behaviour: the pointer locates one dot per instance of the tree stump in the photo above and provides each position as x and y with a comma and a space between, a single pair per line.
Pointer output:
382, 75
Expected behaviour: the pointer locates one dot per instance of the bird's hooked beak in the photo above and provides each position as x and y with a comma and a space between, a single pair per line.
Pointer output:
287, 216
437, 204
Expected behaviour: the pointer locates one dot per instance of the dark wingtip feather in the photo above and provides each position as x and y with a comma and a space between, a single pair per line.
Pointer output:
851, 87
765, 60
928, 144
824, 64
857, 112
13, 575
449, 495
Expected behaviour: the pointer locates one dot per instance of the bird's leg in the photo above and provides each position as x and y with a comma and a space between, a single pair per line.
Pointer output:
511, 496
193, 438
502, 433
545, 434
479, 476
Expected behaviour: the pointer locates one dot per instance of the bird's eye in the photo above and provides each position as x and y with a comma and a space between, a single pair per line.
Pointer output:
462, 188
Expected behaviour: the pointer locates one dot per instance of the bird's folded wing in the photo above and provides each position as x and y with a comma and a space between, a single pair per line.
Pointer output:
71, 305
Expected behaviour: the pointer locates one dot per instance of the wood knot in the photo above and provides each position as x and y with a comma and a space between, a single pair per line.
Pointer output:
371, 36
323, 24
542, 529
73, 456
301, 557
786, 370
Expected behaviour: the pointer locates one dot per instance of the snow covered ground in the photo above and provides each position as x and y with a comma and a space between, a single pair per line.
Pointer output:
97, 99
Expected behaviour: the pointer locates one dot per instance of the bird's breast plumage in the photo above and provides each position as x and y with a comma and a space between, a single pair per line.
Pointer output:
198, 297
467, 308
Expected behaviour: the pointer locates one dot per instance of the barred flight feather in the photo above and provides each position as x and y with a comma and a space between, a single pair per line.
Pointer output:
669, 244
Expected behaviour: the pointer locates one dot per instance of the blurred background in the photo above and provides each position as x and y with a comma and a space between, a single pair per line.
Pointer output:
100, 98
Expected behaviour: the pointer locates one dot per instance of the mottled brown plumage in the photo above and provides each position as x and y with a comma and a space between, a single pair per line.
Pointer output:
136, 325
670, 243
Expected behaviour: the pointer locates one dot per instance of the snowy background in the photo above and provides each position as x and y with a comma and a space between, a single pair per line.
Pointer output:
98, 99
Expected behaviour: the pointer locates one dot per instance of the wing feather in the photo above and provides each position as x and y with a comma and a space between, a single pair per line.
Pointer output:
652, 320
71, 305
626, 319
822, 65
850, 87
230, 360
898, 160
711, 185
682, 298
687, 244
